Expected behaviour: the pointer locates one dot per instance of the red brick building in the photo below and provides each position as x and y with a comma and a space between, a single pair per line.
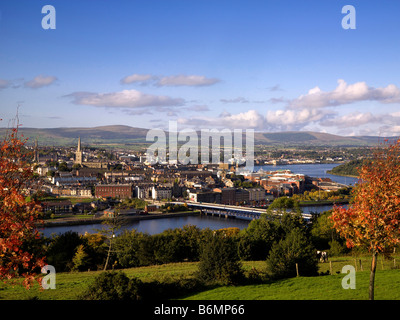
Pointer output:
121, 191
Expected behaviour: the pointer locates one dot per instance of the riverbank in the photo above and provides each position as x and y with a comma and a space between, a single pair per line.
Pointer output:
70, 221
341, 175
322, 203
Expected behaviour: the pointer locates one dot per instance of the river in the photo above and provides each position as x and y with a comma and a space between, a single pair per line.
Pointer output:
159, 225
312, 170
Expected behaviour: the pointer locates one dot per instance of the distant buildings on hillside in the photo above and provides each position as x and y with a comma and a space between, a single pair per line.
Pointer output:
128, 176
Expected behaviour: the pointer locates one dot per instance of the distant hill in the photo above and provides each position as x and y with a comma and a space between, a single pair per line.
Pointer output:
114, 134
119, 134
349, 169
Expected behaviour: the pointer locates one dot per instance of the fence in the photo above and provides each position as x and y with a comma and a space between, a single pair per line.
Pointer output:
334, 265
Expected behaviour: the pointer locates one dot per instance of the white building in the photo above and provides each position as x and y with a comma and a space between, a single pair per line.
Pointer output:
159, 193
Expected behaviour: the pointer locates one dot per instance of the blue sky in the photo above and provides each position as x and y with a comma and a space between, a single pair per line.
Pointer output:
267, 65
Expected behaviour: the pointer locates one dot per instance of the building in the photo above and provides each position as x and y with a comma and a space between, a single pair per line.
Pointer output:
95, 164
78, 153
208, 196
36, 153
256, 194
241, 196
228, 195
64, 206
121, 191
143, 191
89, 164
68, 179
159, 193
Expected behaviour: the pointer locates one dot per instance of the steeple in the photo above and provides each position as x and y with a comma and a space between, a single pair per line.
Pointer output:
36, 152
79, 145
78, 153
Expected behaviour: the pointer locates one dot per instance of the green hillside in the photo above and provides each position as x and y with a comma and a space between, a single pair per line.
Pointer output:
349, 169
70, 285
119, 135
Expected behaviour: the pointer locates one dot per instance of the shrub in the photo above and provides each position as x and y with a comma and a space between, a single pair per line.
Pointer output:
112, 285
337, 248
294, 248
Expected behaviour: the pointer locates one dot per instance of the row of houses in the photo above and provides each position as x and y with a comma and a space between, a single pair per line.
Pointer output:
130, 190
279, 182
231, 196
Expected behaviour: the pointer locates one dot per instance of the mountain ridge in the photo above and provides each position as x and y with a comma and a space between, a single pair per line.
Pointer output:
122, 134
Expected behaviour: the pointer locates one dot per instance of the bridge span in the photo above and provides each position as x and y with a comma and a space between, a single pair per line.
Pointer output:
229, 211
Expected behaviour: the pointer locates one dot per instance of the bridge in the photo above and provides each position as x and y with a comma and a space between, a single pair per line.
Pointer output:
229, 211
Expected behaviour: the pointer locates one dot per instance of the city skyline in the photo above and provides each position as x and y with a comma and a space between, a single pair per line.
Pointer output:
263, 65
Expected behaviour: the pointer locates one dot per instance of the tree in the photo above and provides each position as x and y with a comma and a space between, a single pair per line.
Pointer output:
257, 239
112, 225
372, 220
18, 213
294, 248
61, 250
63, 166
285, 203
81, 259
219, 260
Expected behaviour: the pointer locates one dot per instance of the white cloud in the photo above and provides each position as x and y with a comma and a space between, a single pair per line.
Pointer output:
295, 119
137, 78
389, 131
353, 119
124, 99
245, 120
183, 80
236, 100
40, 81
345, 94
172, 81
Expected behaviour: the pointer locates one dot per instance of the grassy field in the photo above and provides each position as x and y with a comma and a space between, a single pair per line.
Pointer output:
387, 287
387, 284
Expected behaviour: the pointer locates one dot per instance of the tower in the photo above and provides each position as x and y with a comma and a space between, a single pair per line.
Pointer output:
36, 152
78, 153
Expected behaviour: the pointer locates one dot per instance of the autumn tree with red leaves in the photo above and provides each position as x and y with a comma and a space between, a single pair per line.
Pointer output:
19, 252
372, 220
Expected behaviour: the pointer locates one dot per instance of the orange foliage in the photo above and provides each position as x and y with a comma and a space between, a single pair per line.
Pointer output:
373, 219
17, 215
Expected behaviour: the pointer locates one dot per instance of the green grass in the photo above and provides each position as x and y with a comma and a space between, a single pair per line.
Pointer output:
69, 285
387, 287
387, 284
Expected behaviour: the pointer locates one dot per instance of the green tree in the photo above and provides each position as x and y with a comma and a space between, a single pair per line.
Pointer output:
256, 240
61, 250
63, 166
134, 249
285, 203
81, 259
294, 248
219, 261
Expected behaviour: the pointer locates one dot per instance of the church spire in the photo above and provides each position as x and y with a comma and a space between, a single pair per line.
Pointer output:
78, 153
79, 145
36, 152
